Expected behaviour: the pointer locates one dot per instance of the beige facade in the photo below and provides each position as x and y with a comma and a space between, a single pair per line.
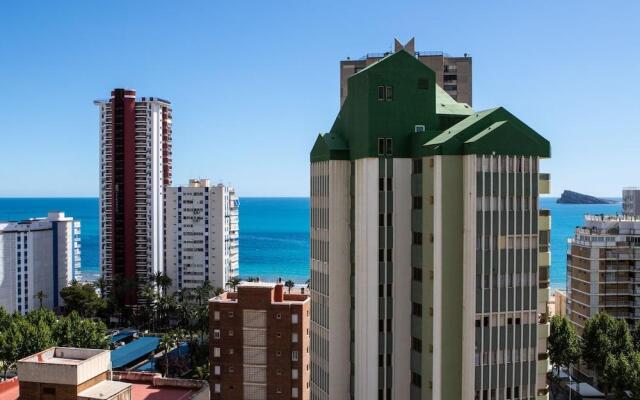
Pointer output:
453, 74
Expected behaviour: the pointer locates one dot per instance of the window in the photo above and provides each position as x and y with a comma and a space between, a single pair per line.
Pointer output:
294, 392
381, 93
416, 166
216, 351
417, 238
389, 255
389, 219
380, 146
416, 379
389, 93
230, 314
416, 344
294, 356
416, 274
294, 318
294, 337
216, 333
389, 146
294, 373
216, 315
417, 202
216, 388
381, 184
380, 219
278, 316
416, 309
216, 370
230, 332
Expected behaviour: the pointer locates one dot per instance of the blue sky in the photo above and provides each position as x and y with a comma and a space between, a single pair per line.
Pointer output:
252, 83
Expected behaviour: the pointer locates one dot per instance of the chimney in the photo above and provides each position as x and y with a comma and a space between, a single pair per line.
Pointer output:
278, 294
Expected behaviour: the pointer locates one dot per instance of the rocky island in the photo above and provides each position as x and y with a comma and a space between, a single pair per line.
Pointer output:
569, 197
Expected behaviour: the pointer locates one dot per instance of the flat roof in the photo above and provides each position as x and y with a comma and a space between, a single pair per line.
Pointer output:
141, 391
104, 390
10, 390
62, 356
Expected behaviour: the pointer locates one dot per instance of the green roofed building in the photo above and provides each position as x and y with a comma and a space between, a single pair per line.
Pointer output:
429, 253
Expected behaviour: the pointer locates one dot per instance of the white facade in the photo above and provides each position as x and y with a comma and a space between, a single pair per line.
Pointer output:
36, 255
202, 232
631, 201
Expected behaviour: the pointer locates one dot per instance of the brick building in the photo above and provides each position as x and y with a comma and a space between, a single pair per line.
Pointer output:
259, 343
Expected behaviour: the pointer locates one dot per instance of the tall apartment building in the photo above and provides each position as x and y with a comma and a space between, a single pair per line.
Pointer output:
39, 254
429, 254
602, 273
202, 231
453, 74
135, 169
601, 269
631, 201
259, 343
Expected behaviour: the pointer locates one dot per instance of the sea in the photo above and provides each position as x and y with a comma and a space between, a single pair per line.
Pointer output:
274, 232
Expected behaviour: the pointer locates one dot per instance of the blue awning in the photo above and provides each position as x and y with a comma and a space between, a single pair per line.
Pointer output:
133, 351
122, 335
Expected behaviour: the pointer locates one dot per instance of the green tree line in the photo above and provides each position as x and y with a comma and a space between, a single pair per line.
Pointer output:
24, 335
608, 347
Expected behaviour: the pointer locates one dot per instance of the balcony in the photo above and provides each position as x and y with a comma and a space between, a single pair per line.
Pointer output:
544, 221
544, 259
544, 183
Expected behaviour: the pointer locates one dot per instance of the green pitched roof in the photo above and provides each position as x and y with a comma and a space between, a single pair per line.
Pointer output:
494, 131
446, 105
450, 127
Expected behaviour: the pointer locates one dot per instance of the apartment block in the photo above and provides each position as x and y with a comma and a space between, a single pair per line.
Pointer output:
429, 253
38, 255
135, 169
259, 343
631, 201
601, 269
453, 74
202, 232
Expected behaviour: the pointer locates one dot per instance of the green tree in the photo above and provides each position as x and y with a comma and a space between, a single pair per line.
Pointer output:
603, 340
563, 344
40, 296
82, 298
290, 284
74, 331
218, 291
35, 336
233, 283
167, 342
10, 342
632, 374
163, 282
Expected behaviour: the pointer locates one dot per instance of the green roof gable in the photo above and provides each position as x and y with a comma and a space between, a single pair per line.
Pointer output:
494, 131
449, 127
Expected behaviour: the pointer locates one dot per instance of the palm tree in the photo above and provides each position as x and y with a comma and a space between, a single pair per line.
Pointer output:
218, 291
162, 281
167, 342
40, 296
289, 284
253, 279
233, 283
308, 282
